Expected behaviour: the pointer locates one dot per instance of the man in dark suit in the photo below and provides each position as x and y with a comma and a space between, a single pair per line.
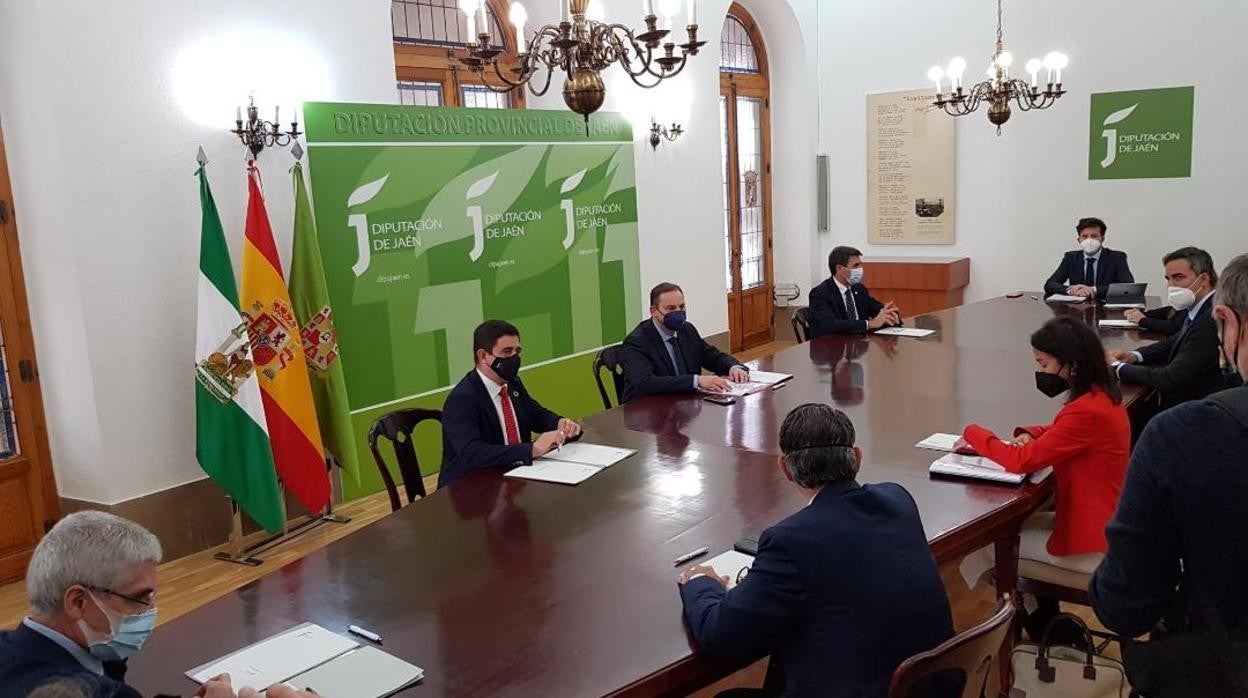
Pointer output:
665, 353
1178, 544
842, 304
841, 592
1184, 366
489, 418
1164, 320
1089, 270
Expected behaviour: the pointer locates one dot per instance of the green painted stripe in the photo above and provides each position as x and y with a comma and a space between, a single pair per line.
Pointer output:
214, 256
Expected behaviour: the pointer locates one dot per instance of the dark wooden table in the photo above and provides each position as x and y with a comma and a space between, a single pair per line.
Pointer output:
503, 587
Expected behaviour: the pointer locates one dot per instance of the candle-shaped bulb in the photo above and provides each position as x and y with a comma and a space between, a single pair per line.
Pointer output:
693, 12
469, 8
518, 16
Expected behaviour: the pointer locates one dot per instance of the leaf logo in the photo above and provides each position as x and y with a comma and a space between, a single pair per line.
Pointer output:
366, 192
481, 186
1119, 115
572, 182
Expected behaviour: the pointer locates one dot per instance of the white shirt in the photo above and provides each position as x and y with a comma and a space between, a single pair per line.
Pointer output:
843, 290
493, 389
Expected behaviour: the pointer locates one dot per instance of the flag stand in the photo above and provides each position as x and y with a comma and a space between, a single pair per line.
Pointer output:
241, 554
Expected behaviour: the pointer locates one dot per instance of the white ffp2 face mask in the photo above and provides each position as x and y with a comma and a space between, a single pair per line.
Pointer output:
1181, 298
1090, 246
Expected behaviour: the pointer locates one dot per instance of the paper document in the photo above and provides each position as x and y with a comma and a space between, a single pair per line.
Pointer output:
905, 331
1124, 306
363, 673
1123, 324
278, 658
1063, 298
939, 442
976, 467
738, 389
732, 564
555, 471
588, 454
768, 378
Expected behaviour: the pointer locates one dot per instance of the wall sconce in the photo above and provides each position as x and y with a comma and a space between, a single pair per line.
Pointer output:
658, 133
255, 133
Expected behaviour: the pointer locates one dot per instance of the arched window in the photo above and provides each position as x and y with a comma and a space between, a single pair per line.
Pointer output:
425, 34
744, 117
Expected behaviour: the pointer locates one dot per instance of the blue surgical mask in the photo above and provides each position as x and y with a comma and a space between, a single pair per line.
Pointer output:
674, 320
855, 275
128, 633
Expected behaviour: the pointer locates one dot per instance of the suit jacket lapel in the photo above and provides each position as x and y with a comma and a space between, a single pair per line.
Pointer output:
840, 300
1178, 341
489, 415
659, 345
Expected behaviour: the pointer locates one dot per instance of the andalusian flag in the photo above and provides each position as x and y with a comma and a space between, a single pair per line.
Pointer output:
278, 354
320, 341
231, 438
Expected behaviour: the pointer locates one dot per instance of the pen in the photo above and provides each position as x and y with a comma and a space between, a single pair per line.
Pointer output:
689, 556
366, 634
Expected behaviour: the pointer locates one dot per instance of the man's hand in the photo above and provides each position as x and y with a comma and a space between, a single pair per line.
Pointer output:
891, 308
879, 321
1081, 290
1134, 315
280, 690
707, 570
738, 374
714, 384
216, 687
547, 442
569, 428
1125, 357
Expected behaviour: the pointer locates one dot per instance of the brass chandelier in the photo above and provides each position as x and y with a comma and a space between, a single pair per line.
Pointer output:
999, 89
582, 47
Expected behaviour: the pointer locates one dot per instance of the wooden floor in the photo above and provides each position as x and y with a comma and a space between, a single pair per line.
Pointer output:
192, 581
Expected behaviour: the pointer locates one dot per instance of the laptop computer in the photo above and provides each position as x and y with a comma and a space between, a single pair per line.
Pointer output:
1125, 295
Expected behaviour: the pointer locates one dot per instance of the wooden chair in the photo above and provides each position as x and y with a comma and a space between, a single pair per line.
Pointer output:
398, 426
609, 358
971, 653
1064, 585
801, 324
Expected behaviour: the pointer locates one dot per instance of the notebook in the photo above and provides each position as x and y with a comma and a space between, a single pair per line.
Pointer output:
277, 658
1120, 324
555, 471
1063, 298
1124, 306
939, 442
733, 565
768, 378
904, 331
366, 672
981, 468
589, 454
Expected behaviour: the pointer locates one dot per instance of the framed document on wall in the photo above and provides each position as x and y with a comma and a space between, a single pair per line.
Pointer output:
910, 170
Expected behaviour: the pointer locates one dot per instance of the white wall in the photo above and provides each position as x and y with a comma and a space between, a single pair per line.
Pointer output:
1019, 195
102, 156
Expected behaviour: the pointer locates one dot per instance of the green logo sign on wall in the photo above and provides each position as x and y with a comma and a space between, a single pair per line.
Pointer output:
1141, 134
432, 220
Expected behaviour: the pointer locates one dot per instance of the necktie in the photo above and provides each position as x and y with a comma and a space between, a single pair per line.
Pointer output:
1089, 274
678, 360
850, 307
512, 434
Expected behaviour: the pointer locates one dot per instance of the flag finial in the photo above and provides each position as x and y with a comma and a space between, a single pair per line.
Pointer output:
201, 157
297, 151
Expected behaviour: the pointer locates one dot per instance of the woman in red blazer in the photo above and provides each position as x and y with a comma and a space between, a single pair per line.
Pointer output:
1088, 445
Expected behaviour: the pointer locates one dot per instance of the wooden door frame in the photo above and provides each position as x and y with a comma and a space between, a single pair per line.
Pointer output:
25, 393
733, 85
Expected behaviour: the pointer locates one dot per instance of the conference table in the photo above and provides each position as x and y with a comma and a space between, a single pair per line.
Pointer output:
501, 586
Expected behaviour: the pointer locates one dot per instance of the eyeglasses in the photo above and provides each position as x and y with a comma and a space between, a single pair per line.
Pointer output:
741, 573
149, 602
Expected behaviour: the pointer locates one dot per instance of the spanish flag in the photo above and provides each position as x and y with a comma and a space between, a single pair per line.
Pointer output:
277, 351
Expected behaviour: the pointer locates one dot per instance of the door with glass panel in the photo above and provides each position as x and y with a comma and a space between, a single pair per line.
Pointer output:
427, 35
744, 113
28, 499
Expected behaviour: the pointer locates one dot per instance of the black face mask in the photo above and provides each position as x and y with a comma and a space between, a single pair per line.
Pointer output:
507, 368
1051, 384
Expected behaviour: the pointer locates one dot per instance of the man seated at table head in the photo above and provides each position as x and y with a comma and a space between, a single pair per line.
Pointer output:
489, 418
665, 353
1089, 270
842, 304
1184, 366
842, 591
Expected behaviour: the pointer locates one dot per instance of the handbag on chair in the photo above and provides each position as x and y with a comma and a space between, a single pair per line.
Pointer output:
1203, 660
1046, 670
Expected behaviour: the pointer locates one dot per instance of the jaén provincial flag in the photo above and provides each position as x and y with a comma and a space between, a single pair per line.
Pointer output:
277, 350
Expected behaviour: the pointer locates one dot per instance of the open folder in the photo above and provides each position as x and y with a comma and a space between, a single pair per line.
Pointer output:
981, 468
572, 463
311, 656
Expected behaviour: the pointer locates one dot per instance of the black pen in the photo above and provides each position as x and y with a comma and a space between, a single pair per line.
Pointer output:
689, 556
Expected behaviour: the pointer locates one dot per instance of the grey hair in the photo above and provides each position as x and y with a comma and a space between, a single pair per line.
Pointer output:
62, 688
89, 548
1233, 289
818, 445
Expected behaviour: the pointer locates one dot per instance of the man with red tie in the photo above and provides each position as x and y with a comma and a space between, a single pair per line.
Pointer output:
489, 418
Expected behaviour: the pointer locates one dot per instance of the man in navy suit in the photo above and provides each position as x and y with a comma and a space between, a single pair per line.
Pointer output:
489, 418
665, 353
1089, 270
841, 592
842, 304
91, 584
